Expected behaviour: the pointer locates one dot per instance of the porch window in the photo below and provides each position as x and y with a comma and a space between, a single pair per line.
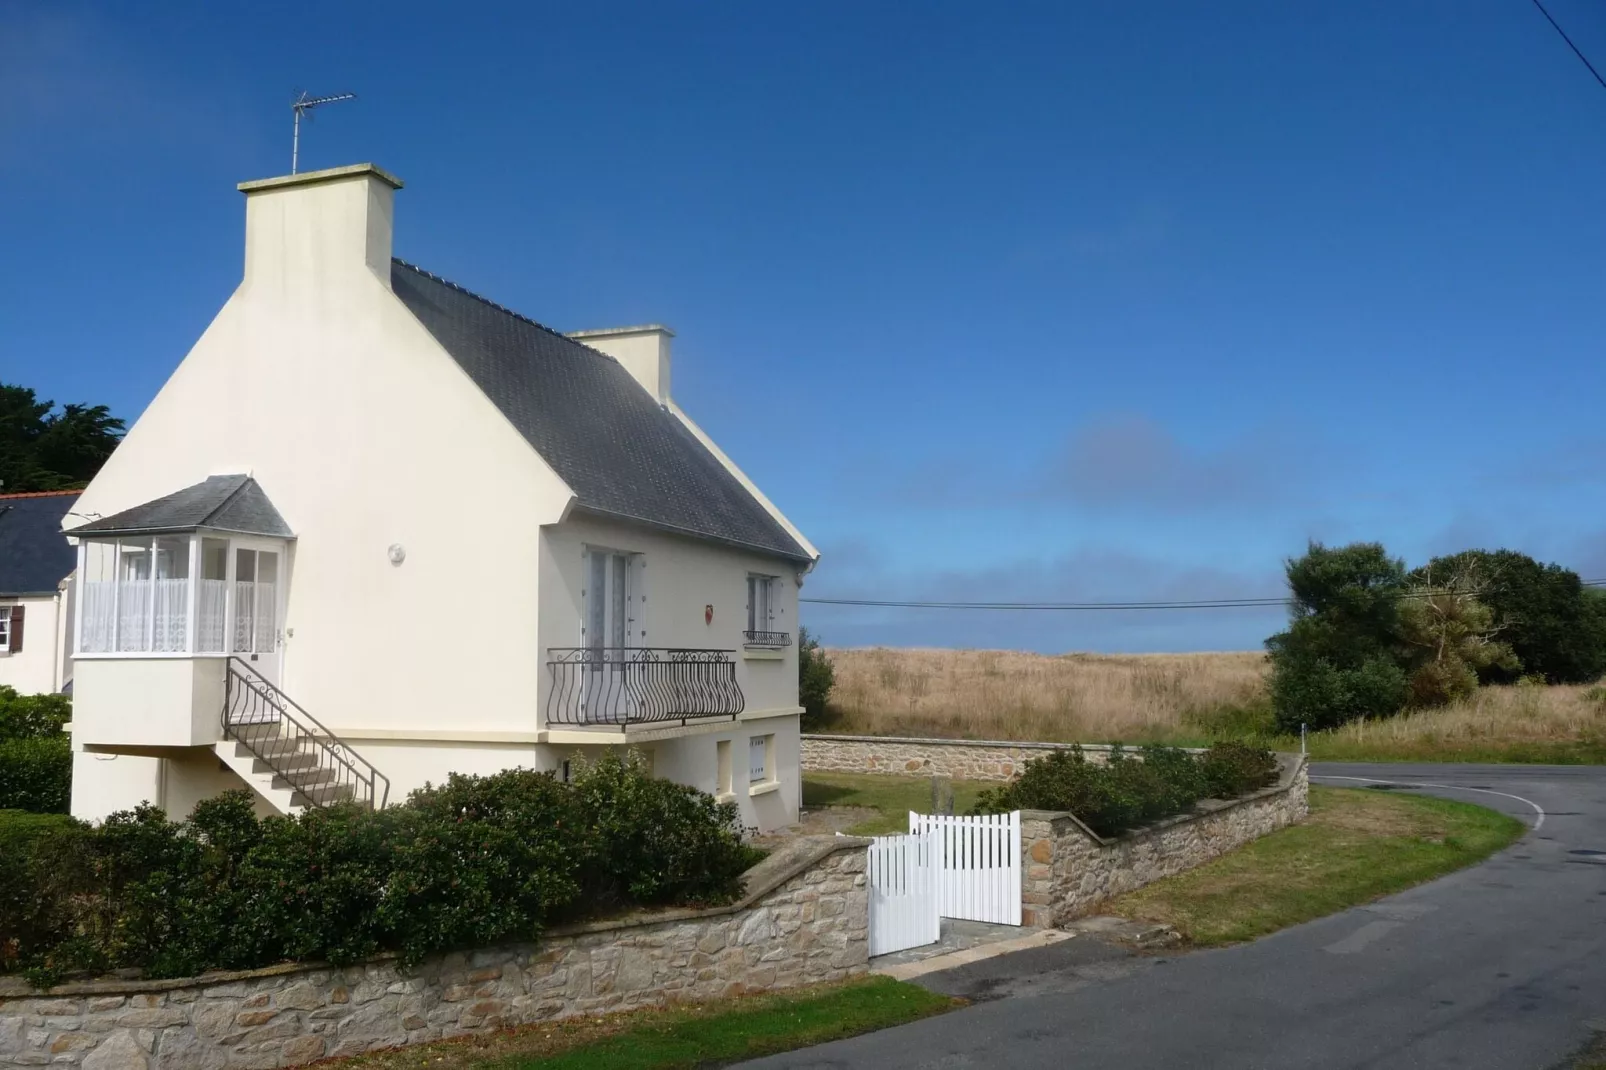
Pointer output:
212, 597
177, 594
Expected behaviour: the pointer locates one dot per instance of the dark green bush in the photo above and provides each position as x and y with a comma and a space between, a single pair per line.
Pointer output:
1231, 768
1127, 791
35, 754
816, 677
473, 861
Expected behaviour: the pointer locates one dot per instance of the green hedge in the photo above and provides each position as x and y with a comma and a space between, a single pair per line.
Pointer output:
473, 861
35, 754
1127, 792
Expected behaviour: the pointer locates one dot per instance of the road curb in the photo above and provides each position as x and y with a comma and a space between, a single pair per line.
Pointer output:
905, 971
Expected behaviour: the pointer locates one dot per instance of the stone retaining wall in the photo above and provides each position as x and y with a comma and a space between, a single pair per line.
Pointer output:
1069, 870
961, 759
802, 921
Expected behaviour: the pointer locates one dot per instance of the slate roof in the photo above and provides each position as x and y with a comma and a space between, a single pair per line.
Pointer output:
34, 554
622, 453
222, 503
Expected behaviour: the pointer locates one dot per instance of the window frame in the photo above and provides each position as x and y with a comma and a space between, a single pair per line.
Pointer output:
5, 627
194, 540
765, 745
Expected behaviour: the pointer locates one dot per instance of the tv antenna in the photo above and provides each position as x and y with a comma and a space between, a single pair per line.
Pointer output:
303, 105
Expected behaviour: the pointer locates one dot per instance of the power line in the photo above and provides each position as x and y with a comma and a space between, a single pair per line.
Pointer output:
1576, 51
1206, 603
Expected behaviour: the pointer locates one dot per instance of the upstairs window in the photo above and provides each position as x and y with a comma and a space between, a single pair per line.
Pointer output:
761, 626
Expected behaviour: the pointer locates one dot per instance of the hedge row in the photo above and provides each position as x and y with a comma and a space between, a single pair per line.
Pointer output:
35, 754
475, 861
1131, 791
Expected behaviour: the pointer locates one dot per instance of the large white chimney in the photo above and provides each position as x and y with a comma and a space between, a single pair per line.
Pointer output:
309, 232
644, 352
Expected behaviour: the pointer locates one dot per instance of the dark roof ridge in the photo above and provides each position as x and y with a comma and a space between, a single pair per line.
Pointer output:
466, 292
246, 479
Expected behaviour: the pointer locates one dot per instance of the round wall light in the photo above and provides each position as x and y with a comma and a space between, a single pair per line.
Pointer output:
397, 553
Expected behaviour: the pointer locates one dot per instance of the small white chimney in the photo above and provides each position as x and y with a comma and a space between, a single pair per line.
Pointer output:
308, 231
644, 352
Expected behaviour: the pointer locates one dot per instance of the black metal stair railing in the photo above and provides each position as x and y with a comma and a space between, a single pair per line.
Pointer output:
299, 751
622, 686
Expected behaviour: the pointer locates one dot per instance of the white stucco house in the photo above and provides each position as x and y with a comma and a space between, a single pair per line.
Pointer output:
36, 591
376, 529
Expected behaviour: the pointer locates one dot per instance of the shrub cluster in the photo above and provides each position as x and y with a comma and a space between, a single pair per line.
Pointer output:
35, 754
1130, 791
473, 861
1366, 638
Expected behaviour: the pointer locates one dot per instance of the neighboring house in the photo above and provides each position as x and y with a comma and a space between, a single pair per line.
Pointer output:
376, 529
36, 563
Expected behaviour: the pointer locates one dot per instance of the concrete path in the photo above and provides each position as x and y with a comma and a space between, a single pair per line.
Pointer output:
1502, 966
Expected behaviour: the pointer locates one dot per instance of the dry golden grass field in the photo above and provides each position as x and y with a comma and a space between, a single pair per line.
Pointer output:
1181, 698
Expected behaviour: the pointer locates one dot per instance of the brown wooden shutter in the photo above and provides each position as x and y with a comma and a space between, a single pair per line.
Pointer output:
16, 629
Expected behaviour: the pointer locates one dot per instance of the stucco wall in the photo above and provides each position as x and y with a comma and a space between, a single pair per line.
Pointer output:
364, 433
1069, 870
957, 758
105, 783
37, 668
804, 921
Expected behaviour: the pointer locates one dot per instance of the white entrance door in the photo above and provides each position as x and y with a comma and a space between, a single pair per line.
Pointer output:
902, 876
254, 628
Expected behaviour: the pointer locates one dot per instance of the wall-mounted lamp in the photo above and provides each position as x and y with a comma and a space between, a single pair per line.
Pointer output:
397, 553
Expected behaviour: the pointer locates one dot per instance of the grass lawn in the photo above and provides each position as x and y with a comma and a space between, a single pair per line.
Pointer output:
693, 1036
1357, 845
893, 796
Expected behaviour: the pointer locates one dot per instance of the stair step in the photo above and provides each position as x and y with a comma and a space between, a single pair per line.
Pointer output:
307, 778
326, 795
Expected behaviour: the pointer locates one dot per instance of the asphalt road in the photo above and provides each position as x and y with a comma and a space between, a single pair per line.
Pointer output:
1501, 966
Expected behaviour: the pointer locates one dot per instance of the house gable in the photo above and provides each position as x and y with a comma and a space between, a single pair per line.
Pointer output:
623, 454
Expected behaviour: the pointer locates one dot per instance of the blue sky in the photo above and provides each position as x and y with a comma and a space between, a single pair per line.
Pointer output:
1033, 301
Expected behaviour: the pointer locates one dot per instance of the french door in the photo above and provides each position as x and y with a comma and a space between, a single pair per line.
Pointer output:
609, 631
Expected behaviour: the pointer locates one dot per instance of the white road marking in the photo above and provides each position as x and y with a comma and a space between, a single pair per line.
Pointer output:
1539, 821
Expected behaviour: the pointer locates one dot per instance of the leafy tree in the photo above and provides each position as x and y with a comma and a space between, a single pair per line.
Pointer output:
43, 449
816, 676
1340, 658
1449, 635
1555, 626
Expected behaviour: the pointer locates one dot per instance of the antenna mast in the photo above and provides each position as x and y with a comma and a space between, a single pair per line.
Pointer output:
303, 105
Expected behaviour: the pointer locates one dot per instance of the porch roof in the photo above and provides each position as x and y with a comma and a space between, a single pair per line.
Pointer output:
234, 504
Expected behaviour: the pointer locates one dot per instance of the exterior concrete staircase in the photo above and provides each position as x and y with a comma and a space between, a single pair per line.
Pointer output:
285, 754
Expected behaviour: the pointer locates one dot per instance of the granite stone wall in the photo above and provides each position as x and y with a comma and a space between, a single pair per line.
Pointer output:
802, 921
960, 759
1069, 870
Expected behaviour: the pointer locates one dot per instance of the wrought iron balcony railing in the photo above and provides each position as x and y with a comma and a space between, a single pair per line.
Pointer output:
622, 686
767, 639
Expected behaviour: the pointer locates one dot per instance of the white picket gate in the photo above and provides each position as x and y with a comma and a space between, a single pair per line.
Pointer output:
978, 864
902, 876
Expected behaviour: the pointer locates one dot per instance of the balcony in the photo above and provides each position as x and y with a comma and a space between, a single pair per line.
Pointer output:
624, 686
766, 640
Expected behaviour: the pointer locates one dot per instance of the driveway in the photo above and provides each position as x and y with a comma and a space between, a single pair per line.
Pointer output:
1501, 966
